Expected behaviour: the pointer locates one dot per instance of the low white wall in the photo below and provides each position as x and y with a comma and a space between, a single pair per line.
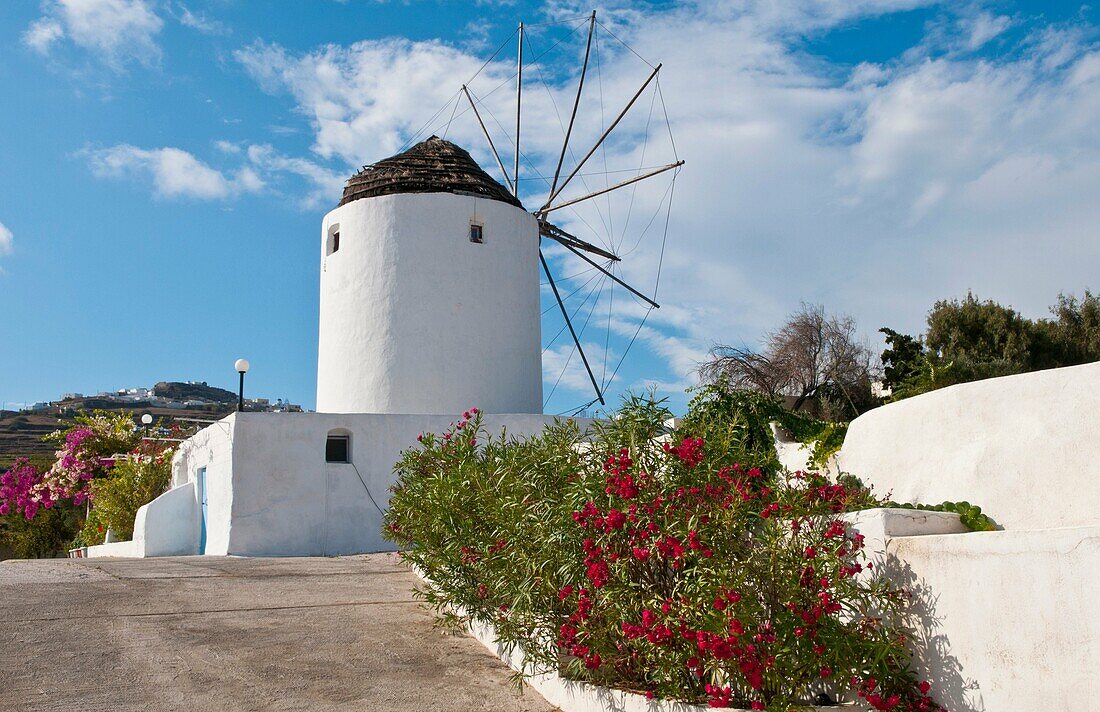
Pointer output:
1008, 620
168, 525
1024, 448
287, 501
116, 549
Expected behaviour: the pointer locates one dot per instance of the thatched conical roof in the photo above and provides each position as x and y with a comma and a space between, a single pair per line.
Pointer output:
431, 166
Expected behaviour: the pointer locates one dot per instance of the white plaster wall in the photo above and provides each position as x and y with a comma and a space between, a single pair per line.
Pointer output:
288, 501
1025, 448
1008, 620
414, 318
168, 526
116, 549
212, 448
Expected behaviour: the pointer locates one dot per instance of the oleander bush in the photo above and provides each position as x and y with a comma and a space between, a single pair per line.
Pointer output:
679, 563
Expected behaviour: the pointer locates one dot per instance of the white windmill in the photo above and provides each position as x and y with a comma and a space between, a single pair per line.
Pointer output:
430, 288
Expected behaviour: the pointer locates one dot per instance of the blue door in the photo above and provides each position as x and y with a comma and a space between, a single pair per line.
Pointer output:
201, 479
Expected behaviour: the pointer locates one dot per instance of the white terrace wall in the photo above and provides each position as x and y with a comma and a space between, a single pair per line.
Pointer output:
1025, 448
1009, 619
271, 493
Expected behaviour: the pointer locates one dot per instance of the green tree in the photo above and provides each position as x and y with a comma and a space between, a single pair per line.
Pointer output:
902, 359
1076, 327
971, 339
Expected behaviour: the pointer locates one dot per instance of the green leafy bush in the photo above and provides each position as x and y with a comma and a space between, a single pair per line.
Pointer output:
116, 498
683, 564
46, 535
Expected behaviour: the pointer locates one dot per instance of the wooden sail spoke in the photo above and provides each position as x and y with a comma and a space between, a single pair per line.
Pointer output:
555, 192
558, 235
569, 323
607, 272
608, 189
576, 103
489, 138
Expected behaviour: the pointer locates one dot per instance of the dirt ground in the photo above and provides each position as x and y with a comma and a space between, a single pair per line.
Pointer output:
221, 633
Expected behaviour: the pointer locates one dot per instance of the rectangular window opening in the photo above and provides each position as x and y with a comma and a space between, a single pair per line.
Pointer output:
338, 449
332, 244
477, 234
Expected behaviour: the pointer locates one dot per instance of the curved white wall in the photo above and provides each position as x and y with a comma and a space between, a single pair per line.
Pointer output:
1024, 448
415, 318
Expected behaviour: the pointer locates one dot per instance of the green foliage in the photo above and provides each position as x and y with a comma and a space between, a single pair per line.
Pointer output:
749, 414
903, 359
1076, 327
46, 535
116, 498
969, 340
970, 515
683, 562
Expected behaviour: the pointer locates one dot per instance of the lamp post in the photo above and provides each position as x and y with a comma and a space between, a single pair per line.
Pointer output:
242, 368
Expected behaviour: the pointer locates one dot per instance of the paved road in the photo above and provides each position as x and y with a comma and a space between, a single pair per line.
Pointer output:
214, 633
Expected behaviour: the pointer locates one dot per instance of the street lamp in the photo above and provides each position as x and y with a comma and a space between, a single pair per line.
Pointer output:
242, 368
147, 420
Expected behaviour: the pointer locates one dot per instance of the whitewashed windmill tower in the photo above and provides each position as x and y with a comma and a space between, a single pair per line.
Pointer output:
429, 291
430, 269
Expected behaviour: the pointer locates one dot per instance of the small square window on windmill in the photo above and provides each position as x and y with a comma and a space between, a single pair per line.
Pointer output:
477, 233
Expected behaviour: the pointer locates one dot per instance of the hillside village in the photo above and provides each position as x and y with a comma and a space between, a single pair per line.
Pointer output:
22, 430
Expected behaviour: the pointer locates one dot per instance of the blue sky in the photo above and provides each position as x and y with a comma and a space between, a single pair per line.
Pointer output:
166, 166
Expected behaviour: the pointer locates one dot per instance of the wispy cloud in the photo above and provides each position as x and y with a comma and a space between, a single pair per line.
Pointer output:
563, 369
199, 21
116, 31
175, 172
325, 184
7, 240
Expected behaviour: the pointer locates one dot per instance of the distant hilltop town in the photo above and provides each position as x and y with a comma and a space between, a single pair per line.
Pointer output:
169, 395
190, 403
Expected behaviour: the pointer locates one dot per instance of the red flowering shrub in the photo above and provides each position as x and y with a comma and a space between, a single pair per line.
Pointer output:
684, 565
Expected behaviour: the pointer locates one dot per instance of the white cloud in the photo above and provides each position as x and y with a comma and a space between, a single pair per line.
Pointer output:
874, 190
199, 22
227, 147
983, 27
325, 184
7, 240
175, 173
365, 99
563, 369
42, 33
117, 31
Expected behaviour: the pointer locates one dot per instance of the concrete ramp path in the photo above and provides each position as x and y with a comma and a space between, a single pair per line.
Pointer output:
225, 633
